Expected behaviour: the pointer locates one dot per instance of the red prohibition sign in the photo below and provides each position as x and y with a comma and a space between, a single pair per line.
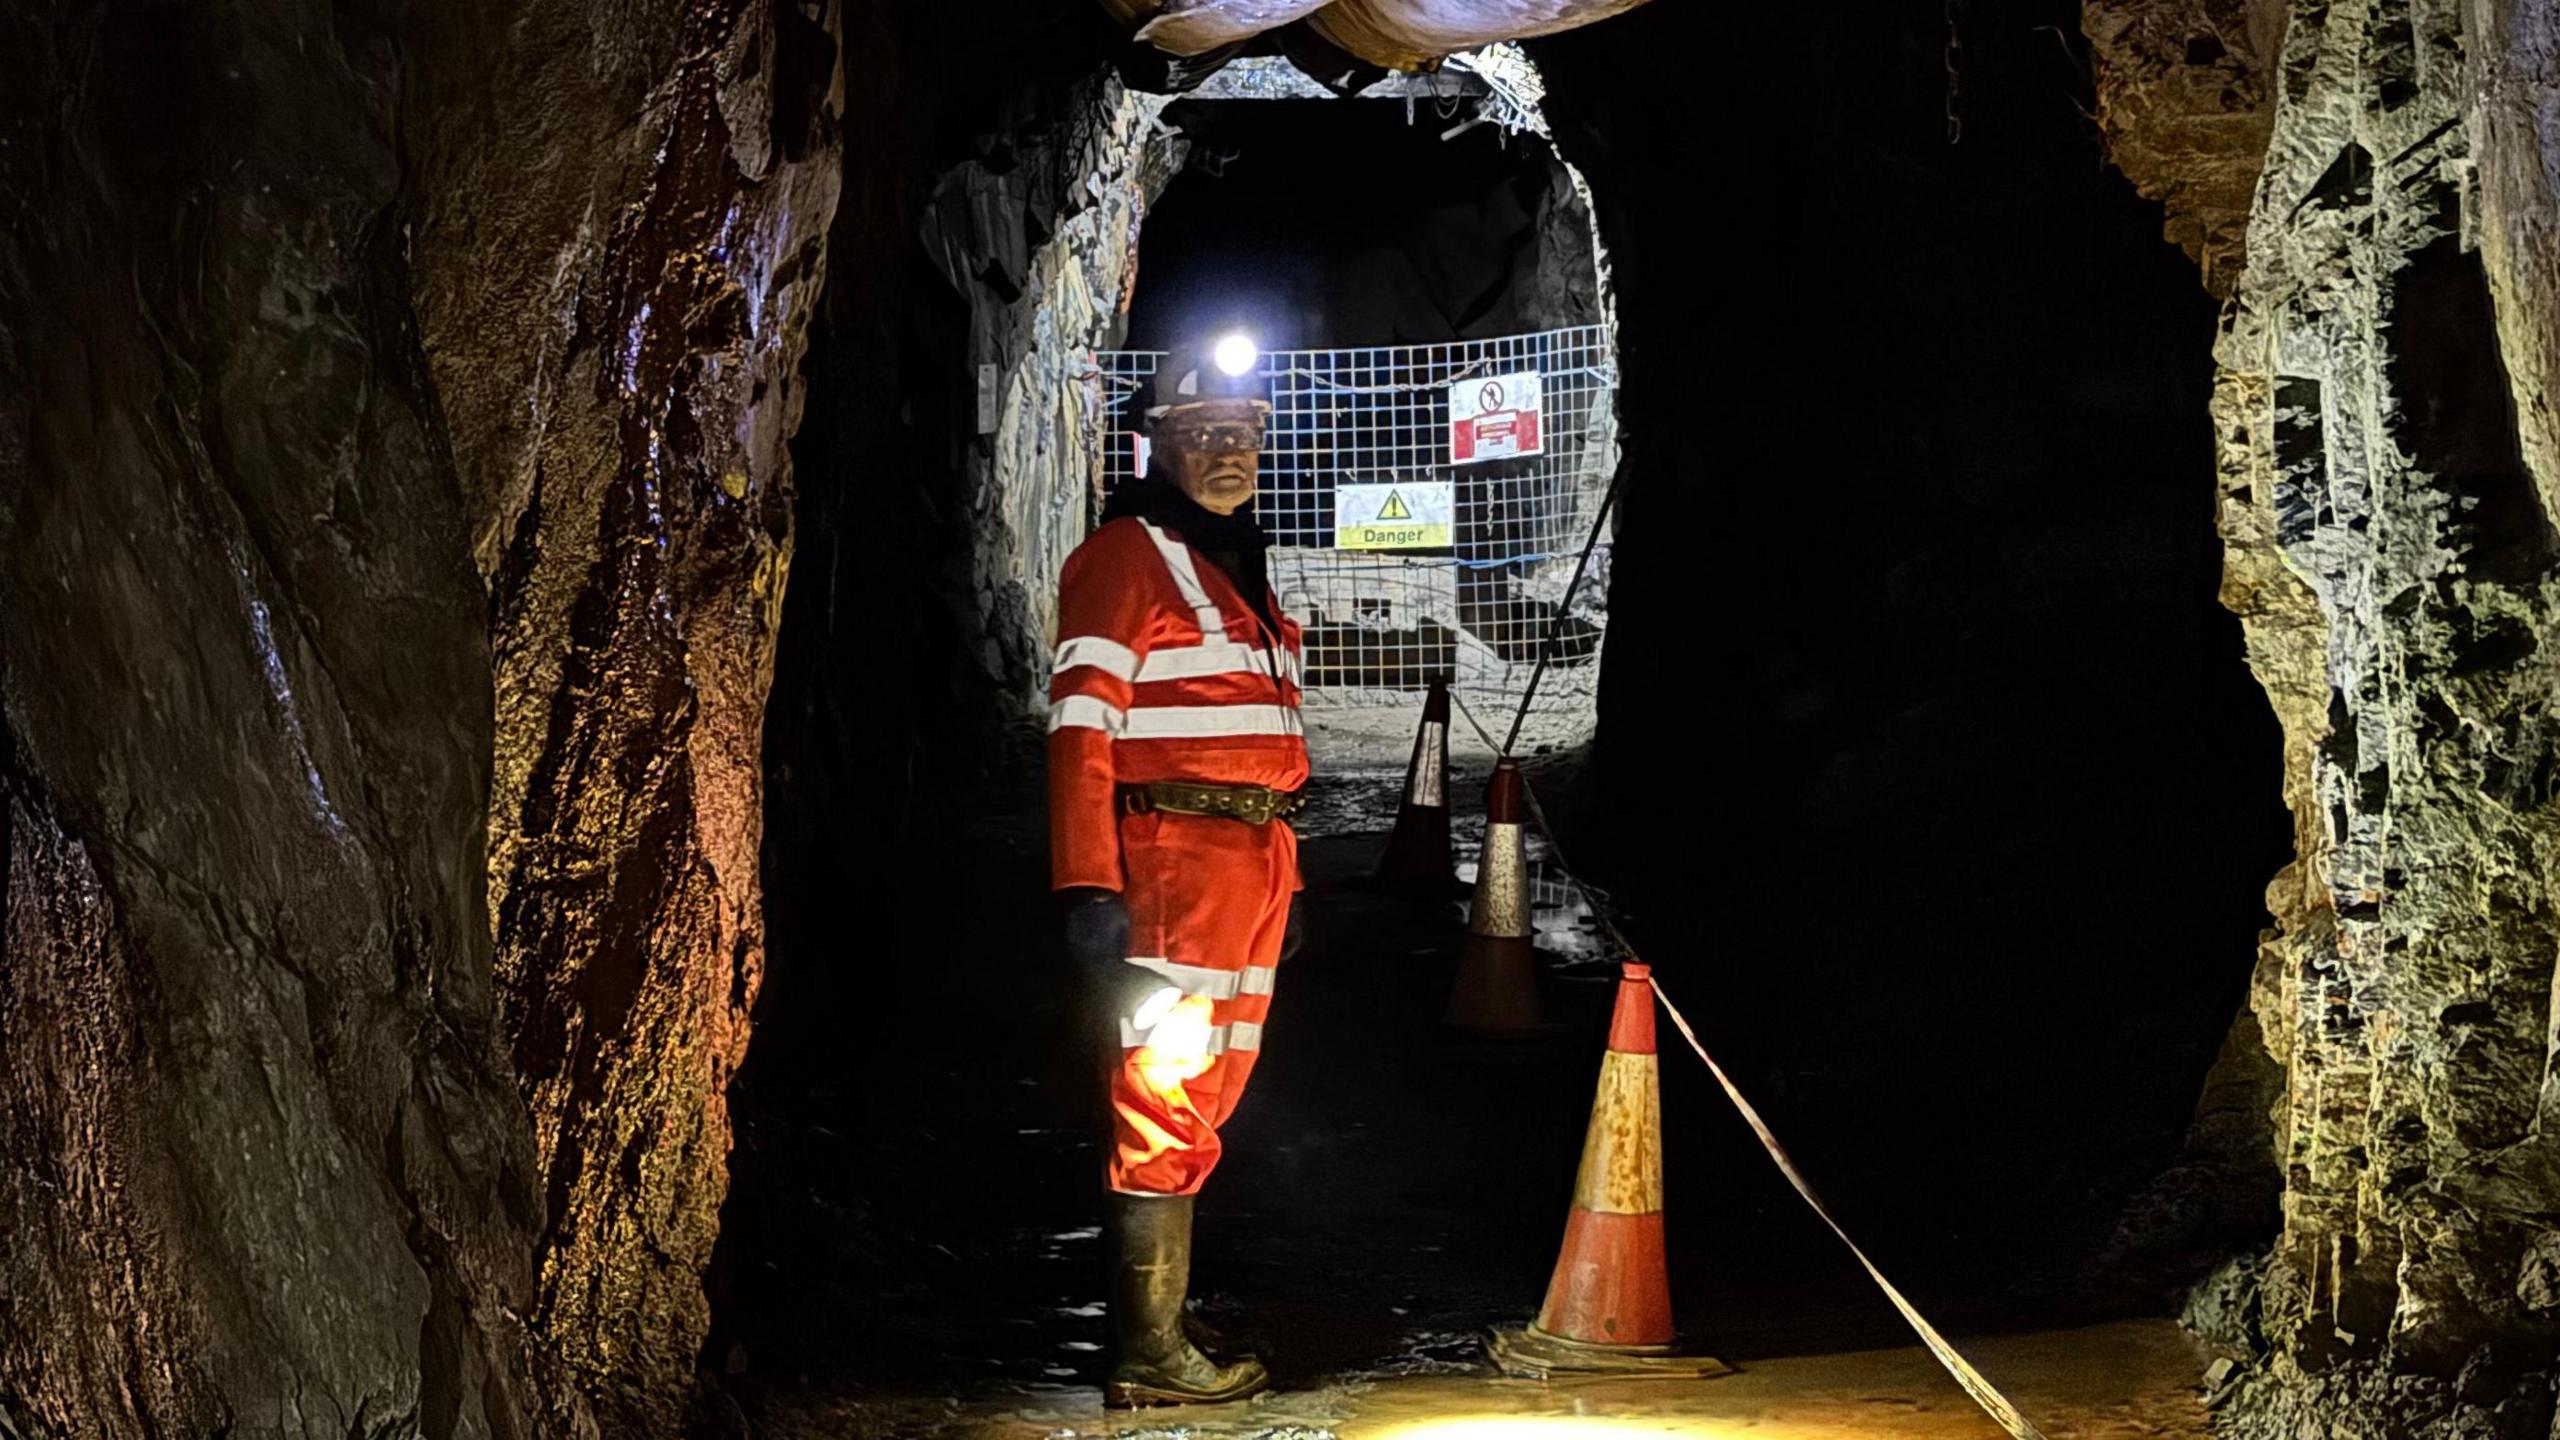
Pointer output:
1490, 397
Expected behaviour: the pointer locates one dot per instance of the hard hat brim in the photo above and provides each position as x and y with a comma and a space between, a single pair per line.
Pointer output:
1210, 402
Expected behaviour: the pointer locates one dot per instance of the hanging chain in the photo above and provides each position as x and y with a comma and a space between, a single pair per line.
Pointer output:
1955, 71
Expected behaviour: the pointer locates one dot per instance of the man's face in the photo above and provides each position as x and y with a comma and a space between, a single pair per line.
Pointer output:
1215, 452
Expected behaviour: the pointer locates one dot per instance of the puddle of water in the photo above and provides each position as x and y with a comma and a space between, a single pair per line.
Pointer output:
1439, 1351
1201, 1431
2131, 1380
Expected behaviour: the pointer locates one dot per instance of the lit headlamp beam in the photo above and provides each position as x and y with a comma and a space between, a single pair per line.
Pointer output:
1235, 353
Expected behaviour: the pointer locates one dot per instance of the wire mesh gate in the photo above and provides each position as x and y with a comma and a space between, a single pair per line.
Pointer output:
1481, 464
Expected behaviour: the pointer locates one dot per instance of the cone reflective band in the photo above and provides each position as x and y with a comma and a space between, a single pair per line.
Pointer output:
1426, 774
1417, 855
1611, 1286
1497, 988
1500, 909
1608, 1306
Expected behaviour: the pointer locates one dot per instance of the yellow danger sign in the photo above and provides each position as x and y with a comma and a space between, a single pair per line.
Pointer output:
1406, 515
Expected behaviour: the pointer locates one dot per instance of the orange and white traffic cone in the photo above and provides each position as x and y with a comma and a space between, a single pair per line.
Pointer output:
1416, 860
1497, 987
1608, 1308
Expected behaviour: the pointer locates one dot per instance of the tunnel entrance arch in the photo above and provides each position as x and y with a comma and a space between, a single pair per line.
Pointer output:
1517, 295
1428, 506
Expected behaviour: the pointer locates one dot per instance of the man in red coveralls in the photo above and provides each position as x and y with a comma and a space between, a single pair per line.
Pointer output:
1175, 760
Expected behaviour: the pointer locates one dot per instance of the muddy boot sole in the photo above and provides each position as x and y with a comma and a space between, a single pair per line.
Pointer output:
1133, 1392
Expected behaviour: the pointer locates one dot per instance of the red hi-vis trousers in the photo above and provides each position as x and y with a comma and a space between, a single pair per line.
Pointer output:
1208, 904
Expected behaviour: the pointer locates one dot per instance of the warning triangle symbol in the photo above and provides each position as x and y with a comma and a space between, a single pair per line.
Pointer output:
1394, 509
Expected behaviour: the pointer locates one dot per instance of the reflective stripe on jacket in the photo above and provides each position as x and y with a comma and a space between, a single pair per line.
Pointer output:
1162, 673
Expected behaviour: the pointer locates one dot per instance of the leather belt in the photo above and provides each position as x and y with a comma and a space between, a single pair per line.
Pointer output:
1252, 804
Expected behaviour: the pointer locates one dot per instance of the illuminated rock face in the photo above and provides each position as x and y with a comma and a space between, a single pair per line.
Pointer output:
1083, 178
392, 478
2183, 109
262, 1169
2383, 411
614, 281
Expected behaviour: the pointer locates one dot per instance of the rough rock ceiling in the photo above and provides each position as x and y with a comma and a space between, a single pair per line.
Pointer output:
1328, 38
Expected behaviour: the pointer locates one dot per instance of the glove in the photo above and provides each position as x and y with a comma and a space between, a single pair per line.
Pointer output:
1097, 924
1097, 932
1295, 937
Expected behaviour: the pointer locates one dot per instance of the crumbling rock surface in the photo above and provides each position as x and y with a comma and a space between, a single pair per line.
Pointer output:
621, 233
2183, 104
2387, 469
262, 1169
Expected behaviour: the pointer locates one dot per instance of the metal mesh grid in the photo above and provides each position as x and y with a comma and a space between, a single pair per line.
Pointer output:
1382, 625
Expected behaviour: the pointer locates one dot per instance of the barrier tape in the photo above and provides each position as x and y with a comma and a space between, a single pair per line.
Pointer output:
1975, 1386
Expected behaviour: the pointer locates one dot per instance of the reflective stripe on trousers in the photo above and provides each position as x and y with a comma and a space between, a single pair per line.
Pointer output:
1206, 980
1208, 904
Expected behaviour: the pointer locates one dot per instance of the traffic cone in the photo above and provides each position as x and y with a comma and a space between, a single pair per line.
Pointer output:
1497, 988
1608, 1308
1416, 860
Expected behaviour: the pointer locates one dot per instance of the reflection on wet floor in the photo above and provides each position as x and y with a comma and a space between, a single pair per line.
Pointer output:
2111, 1382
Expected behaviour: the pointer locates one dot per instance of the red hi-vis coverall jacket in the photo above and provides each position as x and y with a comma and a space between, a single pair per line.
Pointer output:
1163, 672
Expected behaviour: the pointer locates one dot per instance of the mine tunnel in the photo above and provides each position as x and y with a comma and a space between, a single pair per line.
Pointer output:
1900, 649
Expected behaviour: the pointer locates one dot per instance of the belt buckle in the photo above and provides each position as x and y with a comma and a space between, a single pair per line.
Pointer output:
1254, 807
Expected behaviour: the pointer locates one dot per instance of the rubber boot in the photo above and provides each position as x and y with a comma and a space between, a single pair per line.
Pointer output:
1154, 1362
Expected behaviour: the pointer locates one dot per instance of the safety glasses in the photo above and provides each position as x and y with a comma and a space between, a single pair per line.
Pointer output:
1220, 437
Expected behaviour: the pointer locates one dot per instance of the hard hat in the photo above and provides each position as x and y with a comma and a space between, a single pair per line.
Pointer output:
1203, 374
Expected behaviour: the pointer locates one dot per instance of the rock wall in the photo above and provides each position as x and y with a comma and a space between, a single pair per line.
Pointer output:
2183, 108
262, 1167
2512, 90
393, 417
2387, 469
620, 234
1042, 240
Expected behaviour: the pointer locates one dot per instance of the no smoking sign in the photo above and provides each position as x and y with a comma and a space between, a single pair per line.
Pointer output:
1492, 417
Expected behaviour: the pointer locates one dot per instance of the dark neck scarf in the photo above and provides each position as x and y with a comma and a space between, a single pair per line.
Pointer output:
1234, 543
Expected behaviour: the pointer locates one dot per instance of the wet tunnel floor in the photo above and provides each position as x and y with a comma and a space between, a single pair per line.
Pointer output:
924, 1155
2131, 1380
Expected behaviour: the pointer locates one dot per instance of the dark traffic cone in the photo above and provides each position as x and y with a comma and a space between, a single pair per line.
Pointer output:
1608, 1309
1416, 860
1497, 988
